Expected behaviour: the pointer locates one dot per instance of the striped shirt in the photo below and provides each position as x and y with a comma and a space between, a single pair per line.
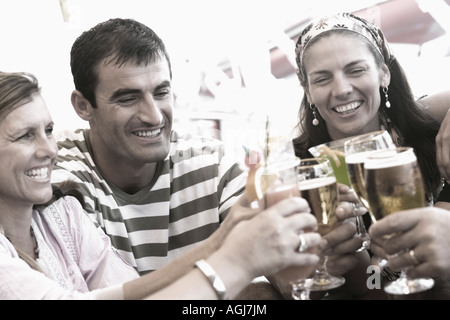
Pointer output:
190, 194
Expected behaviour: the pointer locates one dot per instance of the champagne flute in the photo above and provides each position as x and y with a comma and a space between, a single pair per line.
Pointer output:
334, 151
356, 149
393, 183
317, 184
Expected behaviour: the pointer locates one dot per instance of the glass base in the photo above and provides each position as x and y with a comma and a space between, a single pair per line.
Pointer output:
327, 282
403, 286
365, 244
300, 289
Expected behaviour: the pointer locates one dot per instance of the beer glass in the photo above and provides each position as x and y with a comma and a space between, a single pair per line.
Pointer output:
317, 184
334, 151
272, 176
393, 183
356, 149
275, 174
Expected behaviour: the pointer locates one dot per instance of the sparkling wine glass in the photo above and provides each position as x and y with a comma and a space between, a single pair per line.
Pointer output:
356, 150
393, 183
334, 151
317, 184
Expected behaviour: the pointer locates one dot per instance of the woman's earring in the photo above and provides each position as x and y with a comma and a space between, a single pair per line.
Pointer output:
315, 121
385, 91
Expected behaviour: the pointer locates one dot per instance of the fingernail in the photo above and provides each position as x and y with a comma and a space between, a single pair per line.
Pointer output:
323, 243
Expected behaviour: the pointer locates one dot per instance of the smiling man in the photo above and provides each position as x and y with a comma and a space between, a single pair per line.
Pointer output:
155, 192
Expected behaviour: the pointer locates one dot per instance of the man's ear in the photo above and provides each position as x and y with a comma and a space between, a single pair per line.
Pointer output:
81, 105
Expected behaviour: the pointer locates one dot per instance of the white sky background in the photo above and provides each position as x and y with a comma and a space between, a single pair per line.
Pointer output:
35, 38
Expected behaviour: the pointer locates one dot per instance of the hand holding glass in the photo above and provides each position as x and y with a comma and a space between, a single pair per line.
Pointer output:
393, 183
356, 150
334, 151
317, 184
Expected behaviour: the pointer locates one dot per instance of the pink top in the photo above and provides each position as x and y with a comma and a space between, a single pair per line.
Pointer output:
77, 258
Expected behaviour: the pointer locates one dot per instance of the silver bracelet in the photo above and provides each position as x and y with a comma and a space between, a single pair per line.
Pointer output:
213, 278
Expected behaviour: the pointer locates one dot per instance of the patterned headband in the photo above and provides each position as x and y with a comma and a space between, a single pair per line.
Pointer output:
343, 21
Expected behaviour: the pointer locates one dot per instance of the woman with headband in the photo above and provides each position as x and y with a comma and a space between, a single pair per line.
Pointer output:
353, 84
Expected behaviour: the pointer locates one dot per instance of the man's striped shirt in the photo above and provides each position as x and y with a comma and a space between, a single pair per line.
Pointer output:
190, 194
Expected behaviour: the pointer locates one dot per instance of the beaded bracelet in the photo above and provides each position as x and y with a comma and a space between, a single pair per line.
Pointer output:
213, 278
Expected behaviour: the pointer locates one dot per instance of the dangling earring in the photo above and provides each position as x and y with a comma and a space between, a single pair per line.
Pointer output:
313, 108
385, 91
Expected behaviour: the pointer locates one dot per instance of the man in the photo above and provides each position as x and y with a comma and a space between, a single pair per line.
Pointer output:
155, 192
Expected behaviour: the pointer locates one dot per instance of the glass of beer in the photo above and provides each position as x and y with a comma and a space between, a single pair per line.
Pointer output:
334, 151
276, 171
275, 174
286, 185
356, 149
272, 176
393, 183
317, 184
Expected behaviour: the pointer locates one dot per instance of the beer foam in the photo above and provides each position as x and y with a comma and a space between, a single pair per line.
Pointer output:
389, 158
357, 157
316, 183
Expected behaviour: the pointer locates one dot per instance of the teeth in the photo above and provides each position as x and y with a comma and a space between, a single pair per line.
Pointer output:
349, 107
149, 134
41, 173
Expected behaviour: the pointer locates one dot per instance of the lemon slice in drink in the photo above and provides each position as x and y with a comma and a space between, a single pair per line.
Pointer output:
325, 151
258, 182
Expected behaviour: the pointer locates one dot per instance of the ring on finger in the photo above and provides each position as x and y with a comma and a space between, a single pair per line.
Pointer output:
412, 254
303, 245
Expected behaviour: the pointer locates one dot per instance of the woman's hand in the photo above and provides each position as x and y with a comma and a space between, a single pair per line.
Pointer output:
342, 242
240, 211
269, 241
346, 194
424, 230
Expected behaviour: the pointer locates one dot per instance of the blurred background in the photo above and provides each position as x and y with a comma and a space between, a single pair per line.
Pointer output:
233, 60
